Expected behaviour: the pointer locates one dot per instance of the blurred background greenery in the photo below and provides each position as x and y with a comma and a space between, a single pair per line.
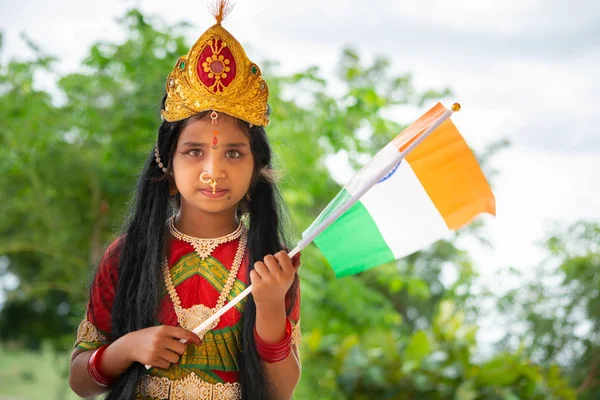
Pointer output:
68, 164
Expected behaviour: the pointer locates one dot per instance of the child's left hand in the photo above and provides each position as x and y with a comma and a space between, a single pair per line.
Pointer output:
272, 278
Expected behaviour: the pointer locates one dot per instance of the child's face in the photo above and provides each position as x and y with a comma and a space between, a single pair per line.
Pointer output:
220, 152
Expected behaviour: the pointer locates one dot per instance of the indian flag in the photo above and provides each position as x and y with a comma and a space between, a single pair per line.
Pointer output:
435, 187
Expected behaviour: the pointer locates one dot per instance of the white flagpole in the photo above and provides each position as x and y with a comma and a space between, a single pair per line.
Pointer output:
335, 215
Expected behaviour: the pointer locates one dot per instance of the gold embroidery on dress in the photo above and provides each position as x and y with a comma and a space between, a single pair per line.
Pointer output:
296, 334
211, 269
219, 351
227, 391
155, 387
87, 332
190, 387
190, 318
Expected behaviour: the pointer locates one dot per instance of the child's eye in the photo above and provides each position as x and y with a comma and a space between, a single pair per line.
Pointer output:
195, 153
233, 154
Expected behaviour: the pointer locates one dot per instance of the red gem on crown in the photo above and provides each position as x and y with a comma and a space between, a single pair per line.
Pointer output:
216, 66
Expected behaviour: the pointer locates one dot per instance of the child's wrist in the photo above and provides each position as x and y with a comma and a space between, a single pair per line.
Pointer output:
271, 306
120, 355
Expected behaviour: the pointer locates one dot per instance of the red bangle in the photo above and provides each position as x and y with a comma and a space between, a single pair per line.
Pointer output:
272, 353
94, 367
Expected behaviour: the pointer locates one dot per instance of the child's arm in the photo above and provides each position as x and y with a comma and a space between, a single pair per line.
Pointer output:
283, 375
114, 363
158, 346
271, 281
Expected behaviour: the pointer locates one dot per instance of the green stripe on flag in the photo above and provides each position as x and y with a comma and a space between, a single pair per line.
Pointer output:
353, 242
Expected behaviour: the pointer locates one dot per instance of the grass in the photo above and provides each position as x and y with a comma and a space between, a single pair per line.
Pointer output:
29, 375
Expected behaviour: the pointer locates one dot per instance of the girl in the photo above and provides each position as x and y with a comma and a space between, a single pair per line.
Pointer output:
205, 223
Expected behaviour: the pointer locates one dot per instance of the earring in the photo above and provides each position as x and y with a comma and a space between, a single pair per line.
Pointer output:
173, 190
158, 160
247, 197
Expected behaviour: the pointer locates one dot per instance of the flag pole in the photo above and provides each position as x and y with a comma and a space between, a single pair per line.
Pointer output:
335, 215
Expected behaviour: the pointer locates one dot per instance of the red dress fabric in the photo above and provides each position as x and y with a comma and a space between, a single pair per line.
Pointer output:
196, 281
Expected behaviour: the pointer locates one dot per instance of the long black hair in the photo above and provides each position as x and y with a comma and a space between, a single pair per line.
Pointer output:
142, 246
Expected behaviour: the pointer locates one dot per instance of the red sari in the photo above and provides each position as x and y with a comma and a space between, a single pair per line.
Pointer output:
208, 371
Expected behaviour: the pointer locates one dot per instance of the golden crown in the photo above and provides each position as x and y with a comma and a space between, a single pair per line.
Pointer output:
216, 74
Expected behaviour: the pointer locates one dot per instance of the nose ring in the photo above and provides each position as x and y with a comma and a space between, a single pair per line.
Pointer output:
205, 179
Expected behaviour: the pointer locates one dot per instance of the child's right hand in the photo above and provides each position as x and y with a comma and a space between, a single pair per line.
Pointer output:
158, 346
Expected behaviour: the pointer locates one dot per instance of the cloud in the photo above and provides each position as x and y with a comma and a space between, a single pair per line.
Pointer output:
462, 28
535, 189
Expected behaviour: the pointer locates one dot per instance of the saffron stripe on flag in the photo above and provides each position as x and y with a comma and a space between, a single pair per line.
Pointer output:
451, 176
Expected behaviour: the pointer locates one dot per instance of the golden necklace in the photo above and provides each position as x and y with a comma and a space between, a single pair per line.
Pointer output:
204, 247
190, 318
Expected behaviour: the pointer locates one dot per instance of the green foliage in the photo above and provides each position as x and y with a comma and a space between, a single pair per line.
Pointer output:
70, 170
428, 364
70, 165
560, 313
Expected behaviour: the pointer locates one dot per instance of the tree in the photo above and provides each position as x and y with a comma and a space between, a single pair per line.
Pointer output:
558, 313
392, 332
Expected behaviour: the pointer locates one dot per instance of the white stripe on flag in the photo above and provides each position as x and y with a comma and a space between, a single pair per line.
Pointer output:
405, 215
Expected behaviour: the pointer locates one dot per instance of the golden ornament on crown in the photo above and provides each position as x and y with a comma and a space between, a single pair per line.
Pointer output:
216, 74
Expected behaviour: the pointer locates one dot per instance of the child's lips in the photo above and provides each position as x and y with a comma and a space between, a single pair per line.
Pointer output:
217, 193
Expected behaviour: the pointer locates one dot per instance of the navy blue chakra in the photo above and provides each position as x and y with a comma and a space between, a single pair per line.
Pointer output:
389, 174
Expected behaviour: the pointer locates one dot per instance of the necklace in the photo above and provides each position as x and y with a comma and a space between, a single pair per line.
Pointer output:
204, 247
190, 318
